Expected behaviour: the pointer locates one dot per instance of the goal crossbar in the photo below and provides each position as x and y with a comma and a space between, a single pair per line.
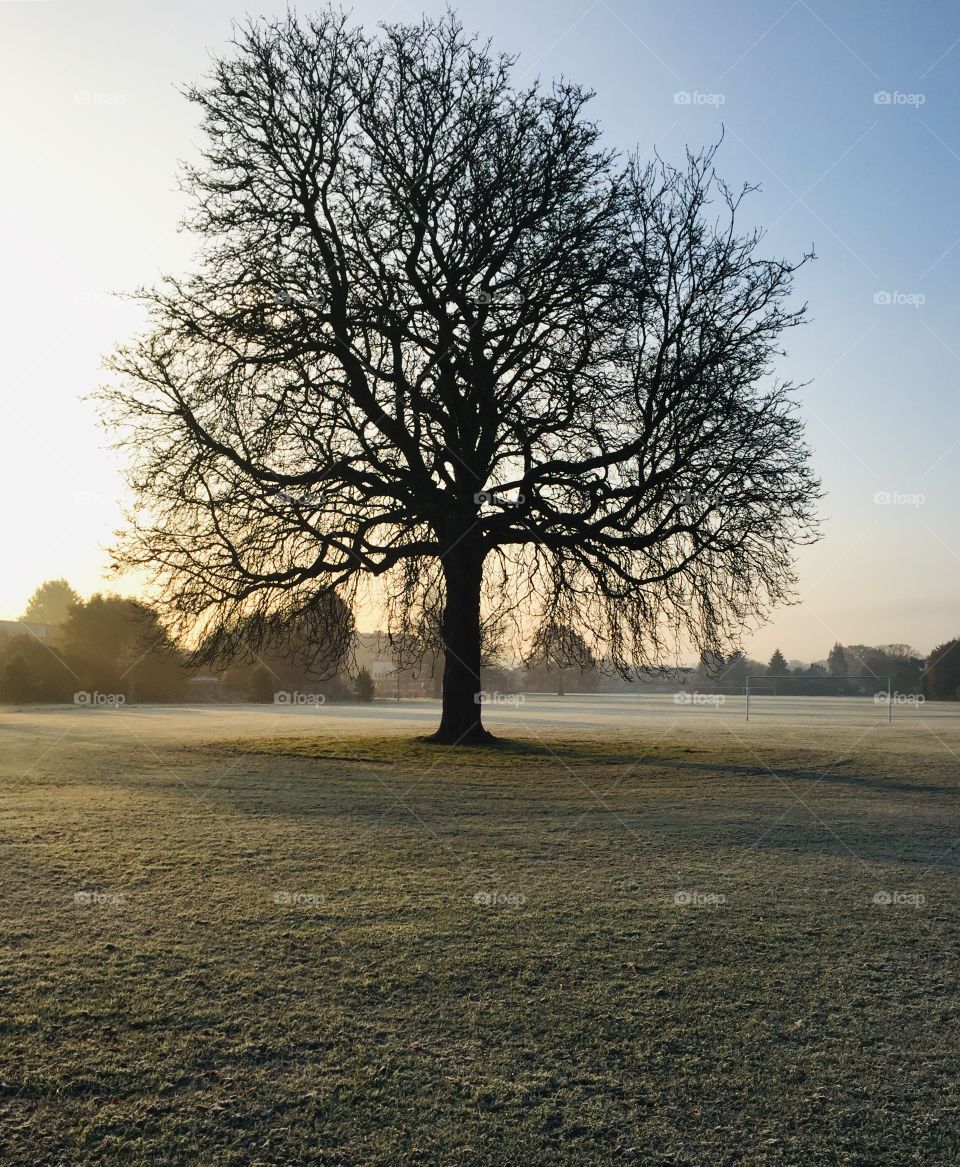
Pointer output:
793, 678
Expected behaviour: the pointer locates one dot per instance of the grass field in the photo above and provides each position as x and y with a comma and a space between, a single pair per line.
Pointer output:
234, 939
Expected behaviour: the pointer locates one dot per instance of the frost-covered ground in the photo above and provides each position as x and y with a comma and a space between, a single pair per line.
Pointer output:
638, 932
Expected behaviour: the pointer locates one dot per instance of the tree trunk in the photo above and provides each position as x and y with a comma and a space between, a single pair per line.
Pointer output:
461, 721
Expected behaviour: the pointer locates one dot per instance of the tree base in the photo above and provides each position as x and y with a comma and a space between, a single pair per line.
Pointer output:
476, 735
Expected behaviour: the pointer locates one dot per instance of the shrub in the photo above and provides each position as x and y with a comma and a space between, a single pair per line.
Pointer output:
364, 686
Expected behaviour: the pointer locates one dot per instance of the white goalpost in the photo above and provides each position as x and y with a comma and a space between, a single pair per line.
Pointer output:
794, 680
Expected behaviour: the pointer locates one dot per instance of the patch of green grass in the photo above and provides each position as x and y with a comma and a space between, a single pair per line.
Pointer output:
321, 951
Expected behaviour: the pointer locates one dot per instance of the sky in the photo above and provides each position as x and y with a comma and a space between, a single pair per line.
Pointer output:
845, 114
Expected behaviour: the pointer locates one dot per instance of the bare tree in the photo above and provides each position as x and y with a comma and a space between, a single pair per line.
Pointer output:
438, 336
556, 647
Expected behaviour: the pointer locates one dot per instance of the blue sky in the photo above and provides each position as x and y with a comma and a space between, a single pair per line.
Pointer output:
93, 127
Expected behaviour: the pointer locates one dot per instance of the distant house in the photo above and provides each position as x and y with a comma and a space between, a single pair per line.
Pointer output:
26, 628
372, 651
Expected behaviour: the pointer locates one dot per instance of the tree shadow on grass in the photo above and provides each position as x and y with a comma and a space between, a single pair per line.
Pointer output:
402, 751
826, 775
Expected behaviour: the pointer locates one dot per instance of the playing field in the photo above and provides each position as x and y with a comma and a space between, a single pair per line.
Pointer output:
642, 932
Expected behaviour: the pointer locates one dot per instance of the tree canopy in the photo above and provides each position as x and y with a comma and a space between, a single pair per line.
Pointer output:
837, 661
51, 602
439, 336
942, 673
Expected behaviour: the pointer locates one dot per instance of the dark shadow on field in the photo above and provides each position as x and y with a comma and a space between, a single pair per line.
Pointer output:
825, 775
504, 750
571, 802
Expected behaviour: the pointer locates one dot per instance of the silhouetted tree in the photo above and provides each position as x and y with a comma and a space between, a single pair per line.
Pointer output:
777, 665
305, 647
119, 645
54, 675
17, 682
500, 679
904, 666
50, 603
440, 336
756, 668
261, 685
710, 666
556, 649
817, 682
734, 672
837, 661
898, 662
942, 674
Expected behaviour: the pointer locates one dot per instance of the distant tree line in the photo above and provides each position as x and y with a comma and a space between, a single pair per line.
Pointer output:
849, 670
107, 644
119, 646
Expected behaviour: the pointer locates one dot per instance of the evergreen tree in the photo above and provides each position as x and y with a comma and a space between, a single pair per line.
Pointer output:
778, 664
364, 686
